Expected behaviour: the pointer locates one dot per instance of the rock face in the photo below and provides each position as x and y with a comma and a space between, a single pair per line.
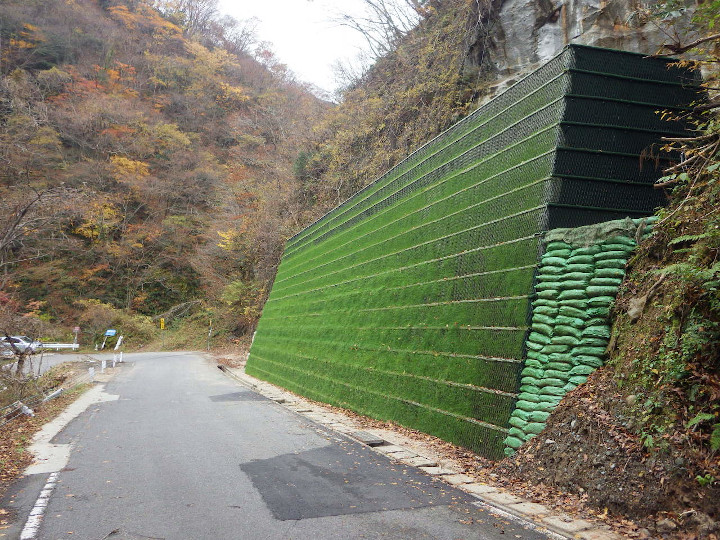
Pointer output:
515, 36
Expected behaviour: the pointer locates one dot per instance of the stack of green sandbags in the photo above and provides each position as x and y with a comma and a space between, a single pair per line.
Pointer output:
577, 281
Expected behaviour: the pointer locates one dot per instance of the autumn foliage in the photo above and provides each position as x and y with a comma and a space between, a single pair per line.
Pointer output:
146, 158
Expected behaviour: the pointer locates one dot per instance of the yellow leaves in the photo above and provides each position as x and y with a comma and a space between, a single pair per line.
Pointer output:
94, 270
231, 96
169, 138
100, 219
22, 44
45, 136
144, 18
228, 239
126, 168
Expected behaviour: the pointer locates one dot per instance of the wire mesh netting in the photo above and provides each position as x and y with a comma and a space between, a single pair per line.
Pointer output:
410, 301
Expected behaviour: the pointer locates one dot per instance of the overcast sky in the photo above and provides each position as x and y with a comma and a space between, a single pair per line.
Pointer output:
303, 34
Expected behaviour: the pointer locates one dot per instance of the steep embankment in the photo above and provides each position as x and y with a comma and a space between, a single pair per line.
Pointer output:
641, 437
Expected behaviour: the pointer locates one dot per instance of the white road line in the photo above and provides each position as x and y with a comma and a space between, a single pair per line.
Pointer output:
32, 525
52, 458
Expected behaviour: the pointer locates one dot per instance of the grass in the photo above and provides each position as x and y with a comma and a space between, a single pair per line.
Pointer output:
411, 303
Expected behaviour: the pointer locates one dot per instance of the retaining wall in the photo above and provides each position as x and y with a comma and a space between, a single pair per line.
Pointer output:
411, 301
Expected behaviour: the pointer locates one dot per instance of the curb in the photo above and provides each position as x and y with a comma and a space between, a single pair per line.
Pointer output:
495, 500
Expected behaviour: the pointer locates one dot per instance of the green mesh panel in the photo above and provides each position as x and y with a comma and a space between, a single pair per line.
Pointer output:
410, 301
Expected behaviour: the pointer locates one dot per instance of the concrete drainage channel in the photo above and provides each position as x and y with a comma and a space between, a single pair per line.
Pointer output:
491, 498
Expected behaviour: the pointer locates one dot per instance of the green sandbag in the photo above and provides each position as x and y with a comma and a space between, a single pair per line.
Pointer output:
609, 273
570, 321
557, 244
547, 381
537, 337
538, 416
605, 282
567, 341
557, 366
583, 269
549, 294
586, 260
587, 250
553, 348
578, 379
581, 304
544, 319
590, 351
611, 254
599, 290
569, 387
541, 328
569, 311
546, 310
546, 406
556, 374
534, 427
587, 341
513, 442
587, 360
534, 346
583, 277
545, 302
620, 243
532, 372
551, 261
533, 363
598, 321
528, 405
515, 432
581, 370
550, 399
564, 358
528, 397
518, 422
600, 311
545, 277
547, 285
610, 263
551, 270
573, 294
572, 285
529, 436
537, 356
553, 390
597, 301
557, 254
529, 389
567, 330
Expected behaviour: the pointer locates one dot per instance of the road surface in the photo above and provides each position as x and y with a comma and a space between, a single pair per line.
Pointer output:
176, 450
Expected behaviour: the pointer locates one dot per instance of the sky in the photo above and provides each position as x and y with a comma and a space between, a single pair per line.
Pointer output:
303, 34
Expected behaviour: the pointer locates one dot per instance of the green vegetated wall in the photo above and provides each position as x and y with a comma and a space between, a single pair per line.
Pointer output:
577, 281
411, 300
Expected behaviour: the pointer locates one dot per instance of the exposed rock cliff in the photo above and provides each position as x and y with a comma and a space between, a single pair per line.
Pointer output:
512, 37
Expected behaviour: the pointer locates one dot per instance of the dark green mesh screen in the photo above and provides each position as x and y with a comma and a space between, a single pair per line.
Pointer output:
410, 301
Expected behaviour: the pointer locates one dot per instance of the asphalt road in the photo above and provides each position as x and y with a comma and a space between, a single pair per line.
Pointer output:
186, 453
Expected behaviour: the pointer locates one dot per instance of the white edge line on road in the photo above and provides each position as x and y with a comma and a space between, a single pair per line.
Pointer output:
52, 458
32, 525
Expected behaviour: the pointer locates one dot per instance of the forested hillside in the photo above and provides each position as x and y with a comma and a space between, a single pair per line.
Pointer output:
146, 152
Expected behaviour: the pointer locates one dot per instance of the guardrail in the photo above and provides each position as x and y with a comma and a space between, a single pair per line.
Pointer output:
58, 346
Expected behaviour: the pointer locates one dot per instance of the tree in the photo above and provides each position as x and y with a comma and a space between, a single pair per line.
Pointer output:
383, 23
